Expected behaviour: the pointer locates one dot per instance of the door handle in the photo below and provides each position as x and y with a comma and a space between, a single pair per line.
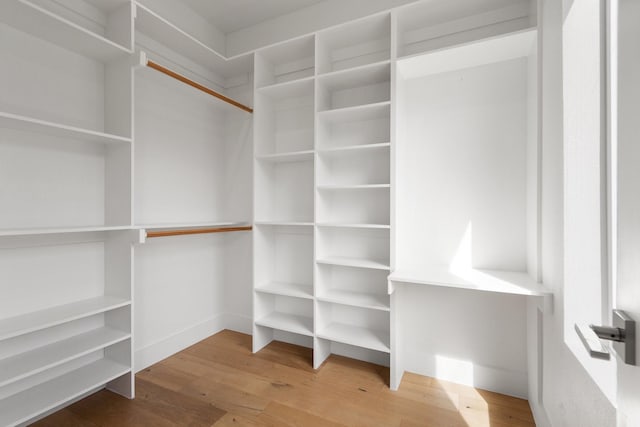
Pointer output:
622, 334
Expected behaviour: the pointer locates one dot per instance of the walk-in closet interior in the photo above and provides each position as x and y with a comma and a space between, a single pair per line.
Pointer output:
365, 184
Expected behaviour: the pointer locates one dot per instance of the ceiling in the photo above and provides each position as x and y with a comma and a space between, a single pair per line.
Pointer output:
233, 15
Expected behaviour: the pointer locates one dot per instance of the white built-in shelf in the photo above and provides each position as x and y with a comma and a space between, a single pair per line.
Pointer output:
353, 225
353, 87
60, 230
357, 336
507, 282
354, 75
23, 123
296, 290
355, 149
30, 322
37, 21
356, 299
288, 322
40, 359
357, 113
178, 40
288, 89
293, 60
355, 187
186, 225
294, 156
285, 223
354, 262
499, 48
23, 406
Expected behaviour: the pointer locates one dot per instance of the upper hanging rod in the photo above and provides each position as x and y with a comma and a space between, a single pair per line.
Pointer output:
198, 86
185, 231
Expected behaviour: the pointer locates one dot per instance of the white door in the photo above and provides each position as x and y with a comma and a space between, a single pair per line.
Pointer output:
625, 159
601, 60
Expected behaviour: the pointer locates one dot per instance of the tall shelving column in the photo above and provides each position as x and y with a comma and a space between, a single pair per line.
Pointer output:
283, 193
66, 249
353, 190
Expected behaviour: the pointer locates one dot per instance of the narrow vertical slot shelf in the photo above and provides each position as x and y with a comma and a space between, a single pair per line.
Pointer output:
361, 86
102, 32
357, 43
439, 24
284, 62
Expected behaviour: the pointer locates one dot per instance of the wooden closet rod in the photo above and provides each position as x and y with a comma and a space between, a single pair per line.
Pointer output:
182, 232
198, 86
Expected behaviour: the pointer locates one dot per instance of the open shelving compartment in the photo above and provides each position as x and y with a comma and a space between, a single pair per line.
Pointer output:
355, 126
357, 287
358, 43
360, 86
428, 26
343, 329
285, 62
467, 199
356, 247
480, 215
60, 342
285, 118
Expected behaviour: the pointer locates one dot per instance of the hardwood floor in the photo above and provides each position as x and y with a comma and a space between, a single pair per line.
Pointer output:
218, 382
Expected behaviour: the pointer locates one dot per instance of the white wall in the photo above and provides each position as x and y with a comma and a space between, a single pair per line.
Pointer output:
569, 397
192, 164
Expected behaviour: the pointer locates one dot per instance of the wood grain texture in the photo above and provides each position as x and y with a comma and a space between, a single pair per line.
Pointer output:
219, 382
183, 232
198, 86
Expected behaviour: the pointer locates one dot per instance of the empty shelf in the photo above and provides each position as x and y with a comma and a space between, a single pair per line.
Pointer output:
14, 326
17, 122
288, 322
357, 113
32, 19
354, 148
356, 299
287, 289
354, 262
354, 187
21, 407
40, 359
295, 156
357, 336
508, 282
60, 230
288, 89
354, 225
285, 223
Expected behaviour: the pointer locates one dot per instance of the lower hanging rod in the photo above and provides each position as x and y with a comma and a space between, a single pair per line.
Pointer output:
198, 86
183, 232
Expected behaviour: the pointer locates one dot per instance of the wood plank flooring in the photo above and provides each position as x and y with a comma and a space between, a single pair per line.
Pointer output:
219, 382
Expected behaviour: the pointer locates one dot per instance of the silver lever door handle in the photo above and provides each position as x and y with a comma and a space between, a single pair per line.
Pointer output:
622, 335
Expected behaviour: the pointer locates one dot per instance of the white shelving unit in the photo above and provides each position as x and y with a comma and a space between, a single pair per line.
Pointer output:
66, 232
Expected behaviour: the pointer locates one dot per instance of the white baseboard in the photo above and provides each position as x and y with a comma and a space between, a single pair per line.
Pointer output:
178, 341
238, 323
